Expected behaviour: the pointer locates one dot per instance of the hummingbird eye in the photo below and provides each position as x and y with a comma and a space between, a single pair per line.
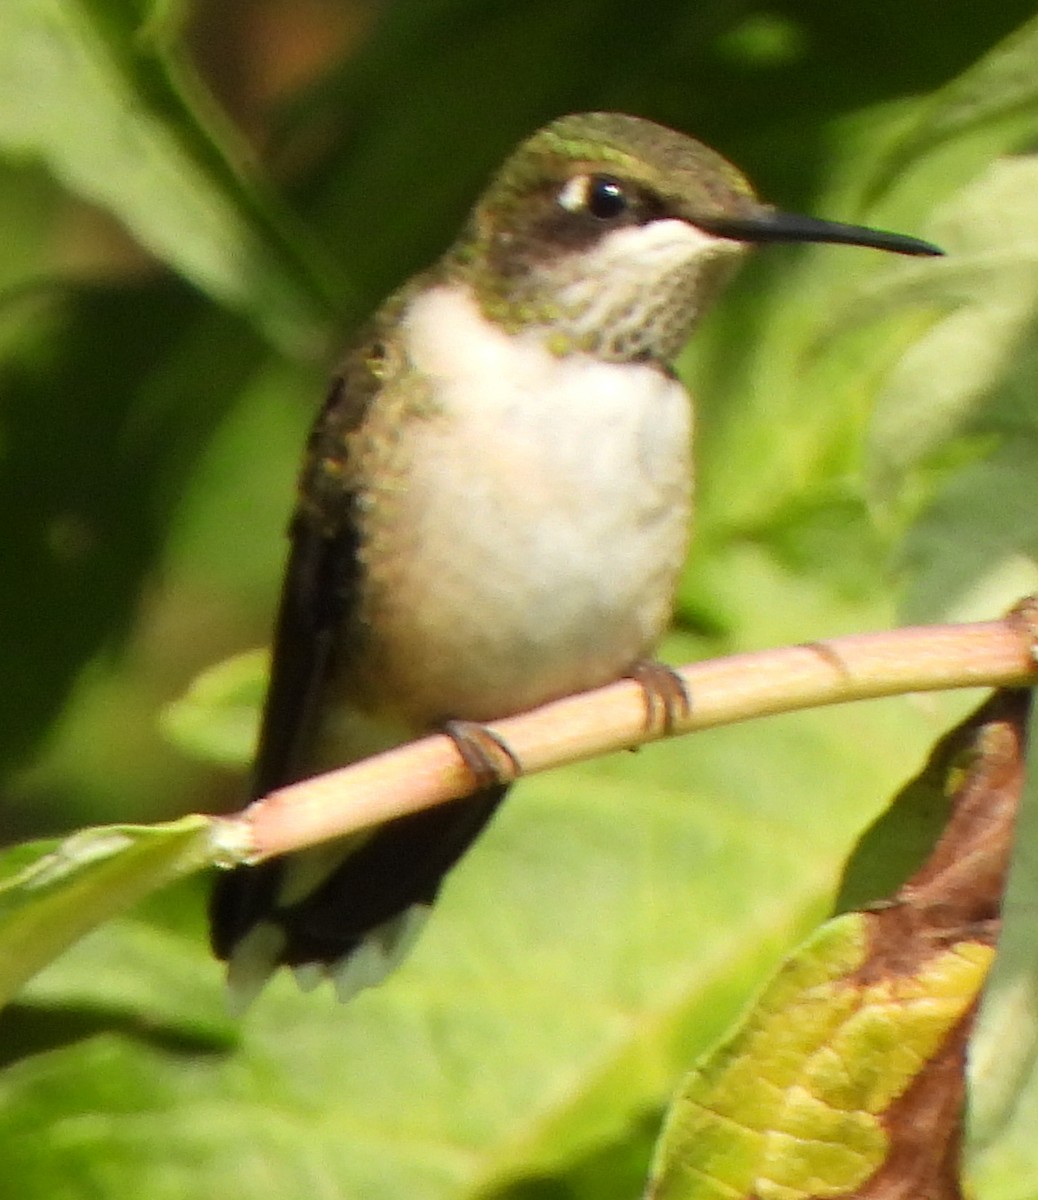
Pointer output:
606, 198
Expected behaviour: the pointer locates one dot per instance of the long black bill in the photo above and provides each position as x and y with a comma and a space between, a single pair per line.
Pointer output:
771, 226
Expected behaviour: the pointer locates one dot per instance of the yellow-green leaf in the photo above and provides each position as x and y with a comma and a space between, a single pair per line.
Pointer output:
52, 893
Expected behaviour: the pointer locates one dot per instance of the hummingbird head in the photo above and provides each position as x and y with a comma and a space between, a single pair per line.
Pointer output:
612, 235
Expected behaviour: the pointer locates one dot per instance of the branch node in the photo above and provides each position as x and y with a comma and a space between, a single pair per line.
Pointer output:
1023, 618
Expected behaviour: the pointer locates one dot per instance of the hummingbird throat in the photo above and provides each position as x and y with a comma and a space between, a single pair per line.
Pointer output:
634, 295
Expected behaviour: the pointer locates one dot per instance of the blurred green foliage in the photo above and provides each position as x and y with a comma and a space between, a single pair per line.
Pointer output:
197, 205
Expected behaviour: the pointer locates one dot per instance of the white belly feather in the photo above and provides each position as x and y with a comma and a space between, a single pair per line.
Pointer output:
547, 507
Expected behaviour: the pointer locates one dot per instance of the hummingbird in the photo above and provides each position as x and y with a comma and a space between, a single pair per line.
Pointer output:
492, 513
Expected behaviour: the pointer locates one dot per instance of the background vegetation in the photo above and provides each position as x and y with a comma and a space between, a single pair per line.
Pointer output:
197, 204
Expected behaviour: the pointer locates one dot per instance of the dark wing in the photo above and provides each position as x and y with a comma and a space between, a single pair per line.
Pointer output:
402, 863
318, 594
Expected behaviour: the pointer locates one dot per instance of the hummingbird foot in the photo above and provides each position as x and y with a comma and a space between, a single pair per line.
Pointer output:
667, 699
489, 758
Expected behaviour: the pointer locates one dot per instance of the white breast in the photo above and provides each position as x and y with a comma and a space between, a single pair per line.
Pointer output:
547, 506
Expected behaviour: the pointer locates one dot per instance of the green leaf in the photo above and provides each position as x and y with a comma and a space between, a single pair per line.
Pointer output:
848, 1076
996, 98
1004, 1050
955, 435
119, 117
579, 955
217, 719
52, 893
82, 531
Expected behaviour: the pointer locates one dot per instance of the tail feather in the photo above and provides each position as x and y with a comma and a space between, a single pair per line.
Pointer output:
358, 923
